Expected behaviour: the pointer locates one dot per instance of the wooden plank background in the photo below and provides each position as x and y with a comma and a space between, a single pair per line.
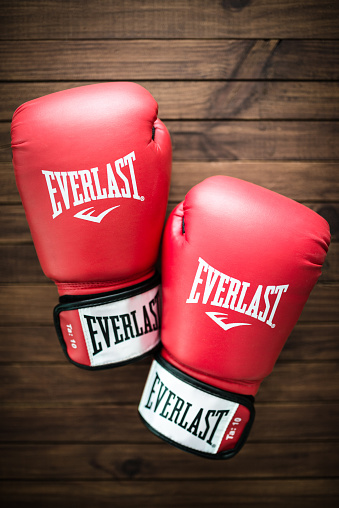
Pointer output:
247, 88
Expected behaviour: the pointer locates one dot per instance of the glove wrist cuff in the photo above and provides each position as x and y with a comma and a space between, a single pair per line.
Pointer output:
110, 329
194, 416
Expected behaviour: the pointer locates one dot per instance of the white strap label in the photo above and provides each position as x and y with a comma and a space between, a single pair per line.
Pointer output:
121, 330
183, 413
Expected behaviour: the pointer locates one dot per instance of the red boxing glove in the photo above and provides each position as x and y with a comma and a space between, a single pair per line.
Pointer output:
92, 166
239, 263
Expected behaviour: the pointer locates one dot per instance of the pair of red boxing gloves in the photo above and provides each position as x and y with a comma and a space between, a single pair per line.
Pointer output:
93, 166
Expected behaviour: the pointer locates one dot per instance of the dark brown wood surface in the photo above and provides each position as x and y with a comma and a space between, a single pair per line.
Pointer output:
247, 88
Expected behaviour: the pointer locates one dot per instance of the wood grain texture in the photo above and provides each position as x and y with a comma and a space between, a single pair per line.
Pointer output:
233, 493
234, 140
308, 181
224, 100
181, 19
161, 461
63, 383
274, 422
150, 59
249, 89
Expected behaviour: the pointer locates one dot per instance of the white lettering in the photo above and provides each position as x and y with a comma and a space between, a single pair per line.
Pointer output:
241, 308
212, 276
269, 291
192, 297
113, 189
254, 305
280, 290
78, 200
232, 293
220, 289
237, 292
56, 207
128, 159
101, 194
85, 185
63, 187
126, 192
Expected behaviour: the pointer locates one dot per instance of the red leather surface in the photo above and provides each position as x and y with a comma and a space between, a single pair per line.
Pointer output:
79, 130
255, 236
235, 429
74, 337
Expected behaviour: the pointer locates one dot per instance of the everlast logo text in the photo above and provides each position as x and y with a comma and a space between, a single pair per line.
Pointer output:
202, 423
108, 331
73, 188
221, 290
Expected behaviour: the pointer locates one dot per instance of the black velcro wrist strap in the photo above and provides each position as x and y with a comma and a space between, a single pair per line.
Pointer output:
194, 416
110, 329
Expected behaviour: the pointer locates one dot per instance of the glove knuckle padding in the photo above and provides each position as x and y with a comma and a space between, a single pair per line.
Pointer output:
251, 235
232, 292
92, 166
82, 129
